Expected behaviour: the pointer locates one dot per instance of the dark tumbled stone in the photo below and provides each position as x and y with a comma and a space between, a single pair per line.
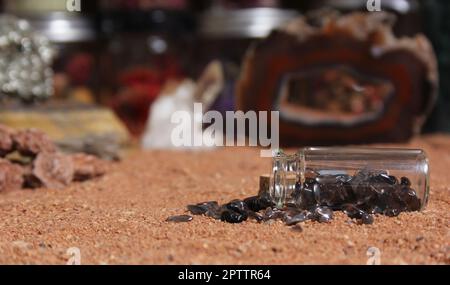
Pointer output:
376, 210
367, 219
383, 179
253, 203
409, 197
272, 214
209, 208
307, 194
352, 211
179, 219
393, 180
236, 206
233, 217
300, 217
334, 190
196, 210
392, 212
323, 214
257, 203
405, 181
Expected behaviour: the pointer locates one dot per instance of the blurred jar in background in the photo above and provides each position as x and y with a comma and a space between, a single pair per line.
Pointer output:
226, 29
74, 37
146, 43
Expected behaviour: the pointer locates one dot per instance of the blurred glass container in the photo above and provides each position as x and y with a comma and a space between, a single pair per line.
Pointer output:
227, 33
243, 23
74, 36
143, 50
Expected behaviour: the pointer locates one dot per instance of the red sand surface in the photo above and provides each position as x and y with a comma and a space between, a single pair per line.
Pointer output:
120, 218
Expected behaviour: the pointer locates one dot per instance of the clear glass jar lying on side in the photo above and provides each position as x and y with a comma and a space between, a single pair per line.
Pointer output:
377, 180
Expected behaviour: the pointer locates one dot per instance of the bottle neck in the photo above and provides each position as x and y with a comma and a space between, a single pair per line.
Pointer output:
287, 174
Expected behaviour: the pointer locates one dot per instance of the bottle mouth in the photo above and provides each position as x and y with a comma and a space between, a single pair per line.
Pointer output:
284, 177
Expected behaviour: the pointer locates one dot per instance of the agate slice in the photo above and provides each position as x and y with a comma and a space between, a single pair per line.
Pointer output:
339, 79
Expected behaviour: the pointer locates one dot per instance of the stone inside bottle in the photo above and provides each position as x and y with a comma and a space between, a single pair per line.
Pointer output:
358, 181
372, 192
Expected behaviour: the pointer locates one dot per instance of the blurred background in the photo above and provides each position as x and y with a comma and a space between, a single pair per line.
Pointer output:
112, 60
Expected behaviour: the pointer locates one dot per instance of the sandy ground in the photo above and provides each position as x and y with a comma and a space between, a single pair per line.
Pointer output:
120, 218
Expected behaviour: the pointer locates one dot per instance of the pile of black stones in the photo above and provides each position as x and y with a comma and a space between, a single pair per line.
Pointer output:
359, 196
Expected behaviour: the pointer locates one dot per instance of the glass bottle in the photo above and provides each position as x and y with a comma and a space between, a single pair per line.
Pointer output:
377, 180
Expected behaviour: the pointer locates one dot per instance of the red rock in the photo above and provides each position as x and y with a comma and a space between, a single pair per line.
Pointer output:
11, 176
87, 166
32, 142
54, 170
